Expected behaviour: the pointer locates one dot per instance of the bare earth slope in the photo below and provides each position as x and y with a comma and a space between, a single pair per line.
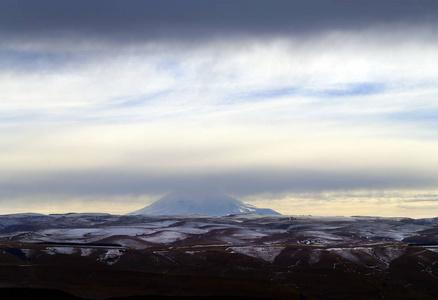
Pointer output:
99, 256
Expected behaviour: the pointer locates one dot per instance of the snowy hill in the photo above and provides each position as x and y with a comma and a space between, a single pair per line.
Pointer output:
201, 204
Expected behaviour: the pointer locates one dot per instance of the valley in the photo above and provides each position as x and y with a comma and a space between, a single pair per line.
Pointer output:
99, 256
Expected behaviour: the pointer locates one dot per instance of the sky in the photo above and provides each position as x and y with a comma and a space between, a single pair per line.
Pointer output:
306, 107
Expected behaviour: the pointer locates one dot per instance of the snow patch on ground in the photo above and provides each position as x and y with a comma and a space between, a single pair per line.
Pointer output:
266, 253
188, 230
130, 243
389, 254
323, 235
248, 234
86, 251
69, 251
193, 252
111, 256
347, 254
160, 224
87, 235
60, 250
164, 237
355, 255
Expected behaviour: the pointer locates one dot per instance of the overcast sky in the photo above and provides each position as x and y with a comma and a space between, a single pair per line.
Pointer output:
308, 107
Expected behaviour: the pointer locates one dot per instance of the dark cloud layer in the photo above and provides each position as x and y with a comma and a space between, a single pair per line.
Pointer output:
242, 183
142, 20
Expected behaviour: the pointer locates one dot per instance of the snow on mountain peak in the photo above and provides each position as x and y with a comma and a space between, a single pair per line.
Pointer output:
211, 204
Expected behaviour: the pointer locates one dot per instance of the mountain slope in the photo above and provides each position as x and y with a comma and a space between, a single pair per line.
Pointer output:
201, 204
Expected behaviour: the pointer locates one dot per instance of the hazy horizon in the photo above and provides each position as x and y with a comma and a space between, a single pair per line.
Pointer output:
305, 107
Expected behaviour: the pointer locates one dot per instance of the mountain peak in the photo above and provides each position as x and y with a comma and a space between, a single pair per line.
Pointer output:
209, 204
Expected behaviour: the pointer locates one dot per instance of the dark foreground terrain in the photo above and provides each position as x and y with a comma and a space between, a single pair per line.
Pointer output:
99, 256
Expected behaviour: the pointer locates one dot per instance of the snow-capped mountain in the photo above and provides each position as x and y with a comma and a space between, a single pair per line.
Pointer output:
217, 204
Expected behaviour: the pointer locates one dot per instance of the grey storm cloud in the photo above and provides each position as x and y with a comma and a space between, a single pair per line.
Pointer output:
242, 182
142, 20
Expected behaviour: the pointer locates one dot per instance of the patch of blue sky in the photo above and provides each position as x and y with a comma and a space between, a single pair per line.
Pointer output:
19, 117
32, 60
345, 90
260, 95
417, 116
170, 66
135, 101
272, 93
350, 90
